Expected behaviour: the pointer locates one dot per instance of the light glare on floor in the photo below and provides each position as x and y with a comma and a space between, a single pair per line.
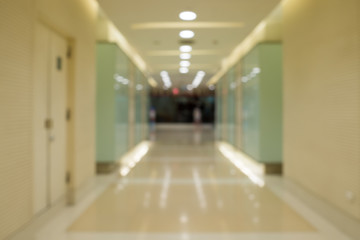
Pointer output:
183, 218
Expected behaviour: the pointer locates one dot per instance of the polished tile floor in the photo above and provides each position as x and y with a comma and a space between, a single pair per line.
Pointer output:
184, 188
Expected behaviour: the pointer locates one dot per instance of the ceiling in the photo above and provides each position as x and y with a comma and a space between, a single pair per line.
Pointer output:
152, 27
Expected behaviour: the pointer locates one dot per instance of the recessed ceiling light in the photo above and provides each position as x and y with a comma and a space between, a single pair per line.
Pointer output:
185, 48
166, 79
187, 16
183, 70
198, 79
185, 56
187, 34
185, 63
164, 73
201, 73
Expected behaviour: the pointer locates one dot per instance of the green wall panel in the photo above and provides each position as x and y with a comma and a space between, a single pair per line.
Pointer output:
251, 105
231, 85
271, 103
262, 103
218, 109
112, 103
139, 88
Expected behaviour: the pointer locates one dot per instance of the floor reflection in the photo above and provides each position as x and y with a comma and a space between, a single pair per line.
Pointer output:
185, 186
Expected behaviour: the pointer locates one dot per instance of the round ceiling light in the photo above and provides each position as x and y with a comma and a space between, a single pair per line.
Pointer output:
185, 56
185, 48
187, 34
183, 70
185, 64
187, 16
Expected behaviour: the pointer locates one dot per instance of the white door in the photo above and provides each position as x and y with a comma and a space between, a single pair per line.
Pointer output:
57, 115
50, 77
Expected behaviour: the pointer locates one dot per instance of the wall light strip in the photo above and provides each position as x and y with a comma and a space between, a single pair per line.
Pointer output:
130, 160
254, 171
114, 35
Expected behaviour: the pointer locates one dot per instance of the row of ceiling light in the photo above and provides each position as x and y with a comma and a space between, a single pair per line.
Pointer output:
185, 55
185, 50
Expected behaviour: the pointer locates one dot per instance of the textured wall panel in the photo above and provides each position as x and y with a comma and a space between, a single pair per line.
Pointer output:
16, 23
321, 99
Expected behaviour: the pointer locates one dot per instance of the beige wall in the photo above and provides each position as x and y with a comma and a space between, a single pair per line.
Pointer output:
321, 99
74, 19
16, 31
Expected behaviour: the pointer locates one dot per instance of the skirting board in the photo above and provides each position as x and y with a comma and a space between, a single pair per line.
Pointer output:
273, 168
104, 168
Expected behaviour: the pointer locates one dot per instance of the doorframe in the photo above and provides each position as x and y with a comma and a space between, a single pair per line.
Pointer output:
70, 143
69, 148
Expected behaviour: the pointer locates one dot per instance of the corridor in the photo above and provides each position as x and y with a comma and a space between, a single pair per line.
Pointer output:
179, 120
184, 188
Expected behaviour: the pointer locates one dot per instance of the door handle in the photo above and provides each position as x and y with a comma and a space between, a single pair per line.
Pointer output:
51, 138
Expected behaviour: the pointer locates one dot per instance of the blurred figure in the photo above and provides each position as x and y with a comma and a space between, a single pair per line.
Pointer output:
152, 117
